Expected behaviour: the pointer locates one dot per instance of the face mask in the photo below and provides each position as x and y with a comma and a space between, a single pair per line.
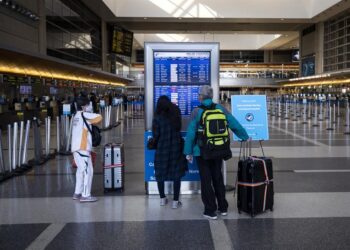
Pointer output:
89, 108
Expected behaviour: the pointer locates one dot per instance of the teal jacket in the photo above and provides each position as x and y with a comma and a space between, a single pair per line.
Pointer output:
191, 147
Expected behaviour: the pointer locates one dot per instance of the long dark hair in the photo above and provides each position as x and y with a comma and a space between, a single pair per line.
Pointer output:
170, 111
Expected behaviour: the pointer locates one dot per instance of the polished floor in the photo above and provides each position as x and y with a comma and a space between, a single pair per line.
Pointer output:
312, 200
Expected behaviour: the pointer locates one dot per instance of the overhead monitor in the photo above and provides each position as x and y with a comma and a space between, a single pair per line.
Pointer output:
308, 66
122, 41
25, 90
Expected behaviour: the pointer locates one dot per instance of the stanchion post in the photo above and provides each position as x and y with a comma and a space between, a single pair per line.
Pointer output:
304, 114
295, 112
315, 117
48, 134
14, 146
309, 110
321, 112
2, 163
69, 134
26, 138
67, 131
9, 137
286, 113
347, 132
329, 121
338, 111
118, 113
58, 145
21, 130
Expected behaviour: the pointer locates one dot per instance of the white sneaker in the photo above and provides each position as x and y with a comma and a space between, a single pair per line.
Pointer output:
211, 216
176, 204
88, 199
163, 201
76, 196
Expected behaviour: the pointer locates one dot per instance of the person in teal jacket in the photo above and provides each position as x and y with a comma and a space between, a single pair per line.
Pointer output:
212, 184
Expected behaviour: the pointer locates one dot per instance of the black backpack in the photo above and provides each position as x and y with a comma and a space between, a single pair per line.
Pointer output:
94, 131
213, 135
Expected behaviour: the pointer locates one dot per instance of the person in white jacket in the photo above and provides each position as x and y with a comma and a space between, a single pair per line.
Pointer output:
81, 149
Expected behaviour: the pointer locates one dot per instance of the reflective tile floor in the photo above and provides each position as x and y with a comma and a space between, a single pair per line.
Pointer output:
312, 201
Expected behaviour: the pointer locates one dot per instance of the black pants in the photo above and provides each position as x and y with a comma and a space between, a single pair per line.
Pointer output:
212, 185
177, 186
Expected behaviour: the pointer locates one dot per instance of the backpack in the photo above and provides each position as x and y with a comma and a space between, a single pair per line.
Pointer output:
94, 131
213, 136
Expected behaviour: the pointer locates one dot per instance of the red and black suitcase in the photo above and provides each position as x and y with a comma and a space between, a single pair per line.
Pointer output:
255, 193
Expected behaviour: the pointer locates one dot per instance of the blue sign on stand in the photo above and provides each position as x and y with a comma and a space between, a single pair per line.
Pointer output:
191, 175
251, 112
66, 109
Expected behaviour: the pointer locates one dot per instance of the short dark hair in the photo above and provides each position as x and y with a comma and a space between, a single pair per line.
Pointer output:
82, 101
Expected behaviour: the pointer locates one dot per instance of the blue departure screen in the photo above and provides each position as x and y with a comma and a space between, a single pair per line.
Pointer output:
179, 75
180, 68
185, 97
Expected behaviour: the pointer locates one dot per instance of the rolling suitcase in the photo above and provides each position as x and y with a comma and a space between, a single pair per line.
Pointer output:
254, 184
113, 167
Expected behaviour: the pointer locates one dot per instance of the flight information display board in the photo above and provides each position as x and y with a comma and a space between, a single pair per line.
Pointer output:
181, 68
185, 97
179, 75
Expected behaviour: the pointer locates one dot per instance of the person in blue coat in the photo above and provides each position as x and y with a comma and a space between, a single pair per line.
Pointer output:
212, 184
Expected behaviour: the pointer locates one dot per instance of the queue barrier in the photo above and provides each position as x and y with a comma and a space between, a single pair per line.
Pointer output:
313, 112
41, 155
18, 140
111, 116
135, 110
64, 125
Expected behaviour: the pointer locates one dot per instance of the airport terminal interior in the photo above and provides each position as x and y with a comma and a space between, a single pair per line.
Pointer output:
291, 59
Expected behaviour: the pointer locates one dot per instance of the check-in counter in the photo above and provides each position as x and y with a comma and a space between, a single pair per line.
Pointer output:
10, 117
3, 108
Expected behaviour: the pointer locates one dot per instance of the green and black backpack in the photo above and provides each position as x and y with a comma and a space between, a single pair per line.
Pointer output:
213, 136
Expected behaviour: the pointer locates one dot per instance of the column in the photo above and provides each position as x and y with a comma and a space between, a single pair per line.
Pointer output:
104, 41
42, 27
319, 48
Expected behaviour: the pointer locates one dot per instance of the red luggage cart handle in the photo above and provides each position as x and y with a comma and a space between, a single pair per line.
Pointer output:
114, 165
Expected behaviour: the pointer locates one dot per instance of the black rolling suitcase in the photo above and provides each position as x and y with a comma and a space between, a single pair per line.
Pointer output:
113, 167
254, 183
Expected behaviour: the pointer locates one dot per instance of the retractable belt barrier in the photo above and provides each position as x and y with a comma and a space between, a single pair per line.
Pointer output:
329, 115
41, 156
111, 116
347, 122
136, 110
64, 132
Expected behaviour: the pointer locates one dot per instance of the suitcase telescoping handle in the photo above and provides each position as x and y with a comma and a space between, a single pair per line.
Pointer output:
245, 149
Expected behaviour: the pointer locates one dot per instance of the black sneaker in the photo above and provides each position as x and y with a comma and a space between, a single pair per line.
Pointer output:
211, 216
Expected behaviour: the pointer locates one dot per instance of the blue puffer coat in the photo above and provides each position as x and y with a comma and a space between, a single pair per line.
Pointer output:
191, 147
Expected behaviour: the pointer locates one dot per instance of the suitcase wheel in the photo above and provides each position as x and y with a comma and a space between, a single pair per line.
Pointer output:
271, 209
239, 211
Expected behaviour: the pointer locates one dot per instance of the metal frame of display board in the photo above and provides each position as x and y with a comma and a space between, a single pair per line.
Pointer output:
187, 187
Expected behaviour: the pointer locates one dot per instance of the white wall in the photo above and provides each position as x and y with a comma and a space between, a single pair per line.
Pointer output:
227, 41
219, 8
